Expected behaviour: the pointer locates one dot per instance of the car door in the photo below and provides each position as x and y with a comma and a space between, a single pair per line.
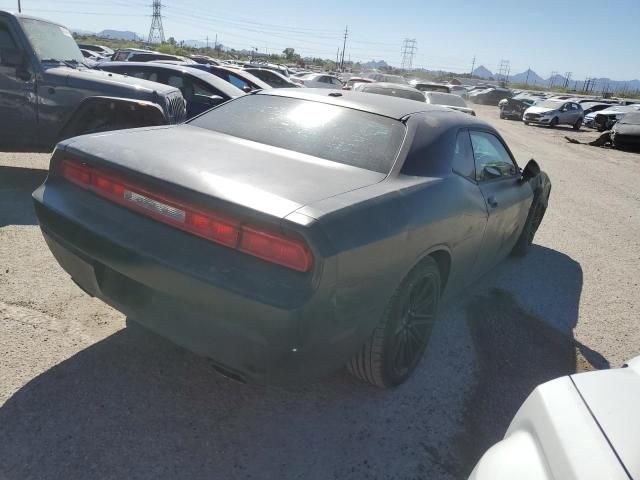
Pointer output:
507, 198
17, 90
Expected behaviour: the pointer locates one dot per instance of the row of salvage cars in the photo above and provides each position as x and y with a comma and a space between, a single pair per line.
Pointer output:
621, 118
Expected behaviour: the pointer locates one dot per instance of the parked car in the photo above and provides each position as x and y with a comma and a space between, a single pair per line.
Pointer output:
489, 96
47, 93
429, 86
241, 79
271, 77
581, 426
448, 100
459, 90
201, 90
555, 112
607, 118
320, 80
101, 50
204, 60
592, 108
138, 55
625, 133
92, 57
248, 237
391, 89
514, 107
386, 78
349, 84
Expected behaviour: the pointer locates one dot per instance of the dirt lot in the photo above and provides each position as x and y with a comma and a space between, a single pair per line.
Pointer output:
84, 397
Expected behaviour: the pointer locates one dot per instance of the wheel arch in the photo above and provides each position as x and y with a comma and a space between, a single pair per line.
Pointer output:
442, 256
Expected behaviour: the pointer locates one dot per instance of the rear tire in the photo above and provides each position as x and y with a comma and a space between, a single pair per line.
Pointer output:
397, 344
534, 218
526, 123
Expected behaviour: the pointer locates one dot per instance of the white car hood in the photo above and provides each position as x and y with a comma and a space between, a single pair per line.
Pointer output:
578, 427
535, 109
613, 396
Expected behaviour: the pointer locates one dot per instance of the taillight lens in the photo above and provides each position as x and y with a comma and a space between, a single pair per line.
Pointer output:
264, 244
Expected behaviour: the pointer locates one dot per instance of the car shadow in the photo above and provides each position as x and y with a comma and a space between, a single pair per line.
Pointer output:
521, 318
134, 405
16, 186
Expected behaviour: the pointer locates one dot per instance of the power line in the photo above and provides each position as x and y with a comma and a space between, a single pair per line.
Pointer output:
156, 32
408, 51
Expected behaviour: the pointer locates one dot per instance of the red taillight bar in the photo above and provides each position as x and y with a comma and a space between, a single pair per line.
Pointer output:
267, 245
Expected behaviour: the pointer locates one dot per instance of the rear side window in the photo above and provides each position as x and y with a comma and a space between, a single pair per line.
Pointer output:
331, 132
237, 81
463, 163
5, 37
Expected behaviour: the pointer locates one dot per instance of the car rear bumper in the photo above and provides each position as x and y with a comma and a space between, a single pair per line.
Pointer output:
188, 290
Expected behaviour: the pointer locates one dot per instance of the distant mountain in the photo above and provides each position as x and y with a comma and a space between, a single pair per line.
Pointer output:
482, 72
529, 76
118, 35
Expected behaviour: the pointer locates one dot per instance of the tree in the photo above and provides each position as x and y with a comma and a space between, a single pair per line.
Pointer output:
289, 53
172, 41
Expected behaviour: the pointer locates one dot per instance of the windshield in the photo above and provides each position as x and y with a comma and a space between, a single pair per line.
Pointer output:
339, 134
550, 104
394, 92
632, 118
446, 99
393, 79
51, 41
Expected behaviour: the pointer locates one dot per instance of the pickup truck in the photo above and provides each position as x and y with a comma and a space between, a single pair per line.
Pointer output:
48, 93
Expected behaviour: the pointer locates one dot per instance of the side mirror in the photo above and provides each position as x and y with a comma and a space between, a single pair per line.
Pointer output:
532, 169
215, 100
491, 171
12, 57
246, 89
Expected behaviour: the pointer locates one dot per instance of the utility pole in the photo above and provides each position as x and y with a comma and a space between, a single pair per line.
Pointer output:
344, 45
207, 42
567, 78
408, 51
215, 46
337, 57
526, 82
156, 32
473, 65
19, 7
552, 78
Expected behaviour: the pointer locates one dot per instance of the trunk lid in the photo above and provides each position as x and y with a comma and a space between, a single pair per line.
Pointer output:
262, 178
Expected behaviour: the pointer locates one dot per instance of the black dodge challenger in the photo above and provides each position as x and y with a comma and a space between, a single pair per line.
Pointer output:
286, 233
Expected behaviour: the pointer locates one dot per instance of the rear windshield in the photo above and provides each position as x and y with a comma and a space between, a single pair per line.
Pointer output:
394, 92
339, 134
446, 99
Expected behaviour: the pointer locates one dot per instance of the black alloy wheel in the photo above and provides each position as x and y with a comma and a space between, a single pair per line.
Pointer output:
397, 344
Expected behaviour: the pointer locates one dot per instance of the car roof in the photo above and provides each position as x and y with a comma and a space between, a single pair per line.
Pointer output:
393, 86
387, 106
201, 74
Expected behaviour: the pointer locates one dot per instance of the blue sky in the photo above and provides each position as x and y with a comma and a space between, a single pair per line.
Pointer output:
586, 37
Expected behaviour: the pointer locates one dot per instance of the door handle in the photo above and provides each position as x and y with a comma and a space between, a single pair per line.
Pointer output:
493, 203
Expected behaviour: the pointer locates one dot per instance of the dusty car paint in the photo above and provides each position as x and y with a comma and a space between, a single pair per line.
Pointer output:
366, 230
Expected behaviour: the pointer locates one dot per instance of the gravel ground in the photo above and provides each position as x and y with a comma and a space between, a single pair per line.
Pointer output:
84, 397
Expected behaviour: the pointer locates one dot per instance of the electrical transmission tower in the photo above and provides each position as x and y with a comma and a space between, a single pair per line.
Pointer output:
504, 70
156, 32
408, 51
